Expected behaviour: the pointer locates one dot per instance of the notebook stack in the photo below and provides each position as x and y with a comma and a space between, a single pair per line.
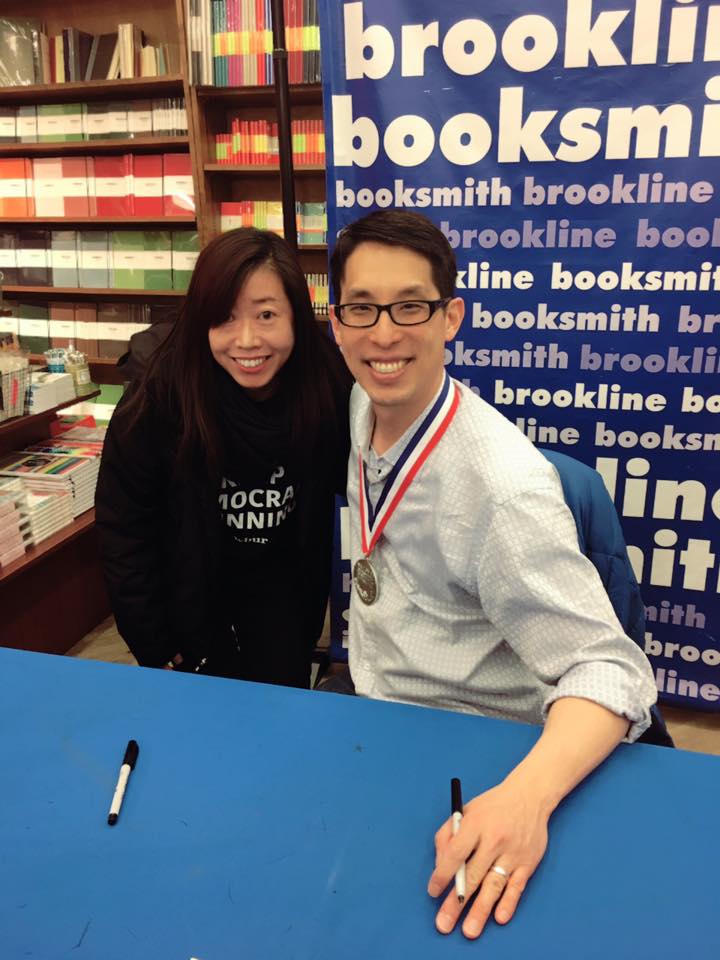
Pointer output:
13, 522
45, 473
48, 513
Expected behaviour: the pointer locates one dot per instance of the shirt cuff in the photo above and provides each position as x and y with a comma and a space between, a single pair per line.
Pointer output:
608, 685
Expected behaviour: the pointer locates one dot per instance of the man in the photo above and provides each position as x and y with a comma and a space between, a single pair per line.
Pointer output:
470, 590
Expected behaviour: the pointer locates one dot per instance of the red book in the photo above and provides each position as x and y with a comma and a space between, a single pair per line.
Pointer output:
75, 187
178, 189
113, 186
148, 185
260, 21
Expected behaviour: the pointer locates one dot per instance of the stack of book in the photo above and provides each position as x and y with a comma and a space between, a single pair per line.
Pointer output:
47, 513
99, 259
49, 390
14, 524
129, 185
311, 218
29, 56
230, 42
52, 473
101, 120
256, 143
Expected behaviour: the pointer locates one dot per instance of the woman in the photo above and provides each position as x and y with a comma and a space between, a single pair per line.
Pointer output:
216, 489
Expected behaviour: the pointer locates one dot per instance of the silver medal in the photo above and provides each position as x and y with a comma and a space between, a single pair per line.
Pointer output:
365, 581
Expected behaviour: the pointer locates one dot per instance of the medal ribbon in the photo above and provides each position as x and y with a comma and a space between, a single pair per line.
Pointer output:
421, 445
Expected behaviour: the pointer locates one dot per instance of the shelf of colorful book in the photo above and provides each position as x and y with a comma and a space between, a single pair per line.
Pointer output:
261, 170
36, 553
95, 293
60, 149
301, 93
17, 423
93, 90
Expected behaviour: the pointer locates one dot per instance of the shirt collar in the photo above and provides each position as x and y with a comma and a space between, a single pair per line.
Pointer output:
393, 454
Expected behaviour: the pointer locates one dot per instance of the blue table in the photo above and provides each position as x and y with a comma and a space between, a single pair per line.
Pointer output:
268, 823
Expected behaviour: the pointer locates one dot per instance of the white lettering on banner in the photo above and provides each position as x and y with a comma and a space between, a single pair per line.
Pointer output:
641, 131
543, 434
628, 319
691, 495
645, 188
532, 356
668, 682
548, 234
529, 42
601, 397
682, 615
699, 360
669, 439
628, 278
694, 323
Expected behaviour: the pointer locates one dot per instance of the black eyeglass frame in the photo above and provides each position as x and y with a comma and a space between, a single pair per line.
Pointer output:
432, 304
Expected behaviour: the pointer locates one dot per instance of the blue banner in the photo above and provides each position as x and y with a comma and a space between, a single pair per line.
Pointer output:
568, 149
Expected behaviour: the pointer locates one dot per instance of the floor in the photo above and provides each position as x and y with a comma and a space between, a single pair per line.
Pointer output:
691, 730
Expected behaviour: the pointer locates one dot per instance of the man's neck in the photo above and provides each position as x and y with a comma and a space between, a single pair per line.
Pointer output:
392, 422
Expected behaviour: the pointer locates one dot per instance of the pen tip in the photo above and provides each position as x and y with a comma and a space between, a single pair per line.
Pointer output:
461, 899
112, 818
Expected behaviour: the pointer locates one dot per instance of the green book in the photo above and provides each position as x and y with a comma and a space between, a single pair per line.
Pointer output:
185, 250
60, 122
158, 260
128, 259
34, 326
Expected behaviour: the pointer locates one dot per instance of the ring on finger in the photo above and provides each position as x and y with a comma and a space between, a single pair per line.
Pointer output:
500, 871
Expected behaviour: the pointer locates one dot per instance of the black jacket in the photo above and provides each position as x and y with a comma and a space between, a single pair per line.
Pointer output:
161, 548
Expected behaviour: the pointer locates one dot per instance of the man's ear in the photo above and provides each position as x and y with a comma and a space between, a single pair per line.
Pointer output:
336, 325
454, 313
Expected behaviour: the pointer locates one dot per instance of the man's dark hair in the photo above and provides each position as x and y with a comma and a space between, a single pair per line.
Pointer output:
398, 228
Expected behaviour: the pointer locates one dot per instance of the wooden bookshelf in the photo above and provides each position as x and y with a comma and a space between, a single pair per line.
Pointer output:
260, 171
10, 427
71, 148
300, 94
140, 87
52, 598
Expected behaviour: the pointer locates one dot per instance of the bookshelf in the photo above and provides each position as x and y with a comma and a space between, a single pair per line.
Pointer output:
57, 593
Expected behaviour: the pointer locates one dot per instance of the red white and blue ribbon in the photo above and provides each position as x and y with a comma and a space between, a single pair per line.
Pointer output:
422, 443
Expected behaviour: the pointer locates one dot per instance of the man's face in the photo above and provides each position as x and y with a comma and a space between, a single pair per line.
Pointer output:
400, 367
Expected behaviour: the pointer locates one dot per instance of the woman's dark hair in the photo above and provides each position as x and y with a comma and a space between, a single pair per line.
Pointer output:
181, 375
398, 228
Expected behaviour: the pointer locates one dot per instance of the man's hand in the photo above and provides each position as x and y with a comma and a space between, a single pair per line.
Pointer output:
504, 828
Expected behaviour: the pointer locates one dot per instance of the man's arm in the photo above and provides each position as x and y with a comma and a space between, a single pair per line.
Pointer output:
507, 826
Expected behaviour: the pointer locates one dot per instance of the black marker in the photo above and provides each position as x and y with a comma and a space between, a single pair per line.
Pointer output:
457, 814
128, 764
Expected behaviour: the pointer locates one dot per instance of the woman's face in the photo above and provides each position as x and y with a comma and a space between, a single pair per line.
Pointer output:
257, 338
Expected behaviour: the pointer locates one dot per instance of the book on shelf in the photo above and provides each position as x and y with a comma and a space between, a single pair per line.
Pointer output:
99, 259
124, 185
230, 42
256, 142
311, 218
97, 120
29, 56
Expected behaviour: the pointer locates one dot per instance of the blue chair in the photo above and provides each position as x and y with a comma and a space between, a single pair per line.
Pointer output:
601, 540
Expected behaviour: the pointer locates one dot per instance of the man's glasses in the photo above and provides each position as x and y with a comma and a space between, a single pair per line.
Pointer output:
406, 313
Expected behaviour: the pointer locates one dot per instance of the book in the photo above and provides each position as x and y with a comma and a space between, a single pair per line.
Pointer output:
16, 190
64, 258
61, 324
94, 259
178, 189
157, 260
148, 185
128, 261
32, 258
185, 251
19, 52
8, 257
101, 55
47, 187
113, 185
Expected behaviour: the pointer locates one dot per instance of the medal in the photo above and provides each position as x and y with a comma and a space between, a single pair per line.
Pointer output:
373, 521
365, 581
